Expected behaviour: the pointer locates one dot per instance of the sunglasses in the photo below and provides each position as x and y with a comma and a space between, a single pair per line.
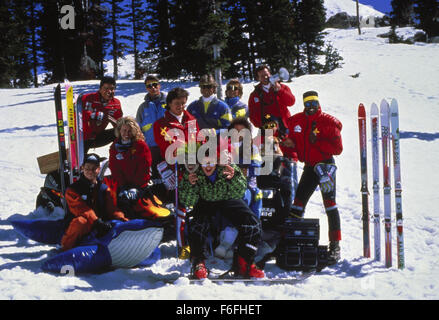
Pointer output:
206, 86
312, 103
151, 85
205, 165
270, 125
232, 88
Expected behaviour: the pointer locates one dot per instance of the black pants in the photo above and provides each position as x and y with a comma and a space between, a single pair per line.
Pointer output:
307, 185
104, 138
239, 215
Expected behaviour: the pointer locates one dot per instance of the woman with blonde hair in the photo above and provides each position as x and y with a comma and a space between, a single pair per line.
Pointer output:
234, 93
130, 165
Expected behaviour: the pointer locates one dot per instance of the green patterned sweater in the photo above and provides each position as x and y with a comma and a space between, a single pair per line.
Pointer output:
221, 189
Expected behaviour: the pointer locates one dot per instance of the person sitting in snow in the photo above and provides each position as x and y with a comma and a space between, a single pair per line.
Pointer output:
130, 165
214, 189
316, 137
91, 204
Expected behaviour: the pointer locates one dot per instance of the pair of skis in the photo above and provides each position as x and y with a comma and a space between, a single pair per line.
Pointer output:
389, 117
71, 160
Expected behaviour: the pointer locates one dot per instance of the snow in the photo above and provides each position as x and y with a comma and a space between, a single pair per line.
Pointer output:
349, 6
408, 73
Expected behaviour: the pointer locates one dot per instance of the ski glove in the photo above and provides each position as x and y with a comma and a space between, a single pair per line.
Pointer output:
326, 174
101, 227
97, 115
167, 175
129, 195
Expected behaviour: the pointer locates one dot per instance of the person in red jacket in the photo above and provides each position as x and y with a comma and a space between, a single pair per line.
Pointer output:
99, 109
176, 117
269, 99
91, 204
316, 137
130, 165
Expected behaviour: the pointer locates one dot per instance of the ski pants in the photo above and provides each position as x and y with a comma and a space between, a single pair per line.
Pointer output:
237, 213
307, 185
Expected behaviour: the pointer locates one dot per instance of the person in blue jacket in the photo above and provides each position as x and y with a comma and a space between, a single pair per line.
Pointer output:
209, 111
152, 109
233, 95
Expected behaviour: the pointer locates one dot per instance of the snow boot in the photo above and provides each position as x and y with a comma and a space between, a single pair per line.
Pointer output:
199, 270
333, 252
227, 238
247, 270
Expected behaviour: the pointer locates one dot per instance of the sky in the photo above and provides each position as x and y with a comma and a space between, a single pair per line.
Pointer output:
380, 5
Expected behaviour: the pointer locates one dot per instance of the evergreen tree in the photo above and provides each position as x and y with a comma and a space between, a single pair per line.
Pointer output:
15, 53
136, 17
427, 12
312, 16
402, 13
159, 37
117, 28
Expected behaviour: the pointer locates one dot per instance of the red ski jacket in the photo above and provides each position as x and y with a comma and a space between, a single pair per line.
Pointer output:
92, 102
130, 166
167, 122
328, 142
274, 103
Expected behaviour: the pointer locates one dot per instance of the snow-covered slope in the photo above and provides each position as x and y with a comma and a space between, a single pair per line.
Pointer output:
408, 73
349, 6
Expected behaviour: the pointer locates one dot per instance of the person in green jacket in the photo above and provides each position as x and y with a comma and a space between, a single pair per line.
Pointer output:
218, 189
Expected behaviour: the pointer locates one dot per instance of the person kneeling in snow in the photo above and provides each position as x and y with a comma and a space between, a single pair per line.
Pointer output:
217, 188
90, 204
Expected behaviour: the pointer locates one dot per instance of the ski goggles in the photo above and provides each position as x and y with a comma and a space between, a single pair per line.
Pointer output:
311, 103
152, 85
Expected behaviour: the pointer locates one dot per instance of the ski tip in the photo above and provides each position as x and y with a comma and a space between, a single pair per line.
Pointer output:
384, 103
361, 110
374, 109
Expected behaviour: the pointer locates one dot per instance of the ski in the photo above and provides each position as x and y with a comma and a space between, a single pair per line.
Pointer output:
394, 124
364, 189
62, 152
385, 140
71, 120
79, 129
374, 117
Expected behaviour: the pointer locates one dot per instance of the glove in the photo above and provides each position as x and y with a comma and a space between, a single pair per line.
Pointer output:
325, 172
167, 175
101, 227
97, 115
50, 206
129, 195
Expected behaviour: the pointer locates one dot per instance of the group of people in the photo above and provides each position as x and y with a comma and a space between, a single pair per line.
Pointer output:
218, 195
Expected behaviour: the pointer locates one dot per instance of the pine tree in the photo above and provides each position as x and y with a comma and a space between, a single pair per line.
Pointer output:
117, 27
312, 15
427, 12
136, 17
402, 13
159, 37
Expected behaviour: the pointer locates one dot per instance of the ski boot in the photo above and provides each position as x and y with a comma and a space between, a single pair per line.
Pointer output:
333, 252
247, 270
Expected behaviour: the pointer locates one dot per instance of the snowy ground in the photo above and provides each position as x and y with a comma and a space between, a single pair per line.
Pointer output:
408, 73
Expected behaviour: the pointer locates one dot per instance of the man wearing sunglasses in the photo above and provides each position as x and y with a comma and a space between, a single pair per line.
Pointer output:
209, 111
152, 109
316, 137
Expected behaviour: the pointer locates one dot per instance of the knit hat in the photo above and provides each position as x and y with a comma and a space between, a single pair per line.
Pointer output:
310, 95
